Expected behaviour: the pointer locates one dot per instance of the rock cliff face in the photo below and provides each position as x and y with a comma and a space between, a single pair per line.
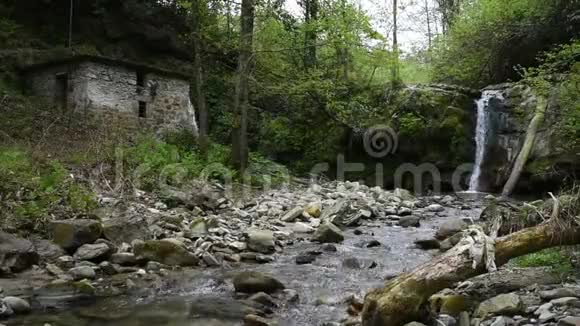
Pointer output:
551, 160
429, 140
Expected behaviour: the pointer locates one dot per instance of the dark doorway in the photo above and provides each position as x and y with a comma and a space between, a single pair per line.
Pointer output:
140, 82
61, 91
142, 109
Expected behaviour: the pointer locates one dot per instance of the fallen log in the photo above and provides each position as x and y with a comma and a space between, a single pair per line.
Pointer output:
402, 299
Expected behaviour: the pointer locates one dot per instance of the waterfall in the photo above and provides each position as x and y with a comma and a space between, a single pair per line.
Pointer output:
481, 135
190, 121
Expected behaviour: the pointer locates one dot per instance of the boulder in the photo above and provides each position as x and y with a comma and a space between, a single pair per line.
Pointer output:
313, 209
410, 221
336, 213
451, 241
254, 282
450, 228
16, 254
18, 305
261, 241
292, 215
47, 250
328, 233
82, 272
300, 227
503, 304
122, 229
561, 292
5, 310
403, 194
93, 252
71, 234
124, 259
167, 251
569, 321
434, 208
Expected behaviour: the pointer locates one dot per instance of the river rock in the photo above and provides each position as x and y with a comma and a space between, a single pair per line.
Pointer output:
71, 234
503, 304
434, 208
410, 221
403, 194
82, 272
167, 251
446, 320
16, 254
560, 293
292, 215
254, 282
300, 227
124, 259
210, 260
304, 259
93, 252
261, 241
263, 299
47, 250
328, 247
450, 228
255, 320
122, 229
427, 244
17, 305
336, 213
569, 321
313, 209
328, 233
5, 310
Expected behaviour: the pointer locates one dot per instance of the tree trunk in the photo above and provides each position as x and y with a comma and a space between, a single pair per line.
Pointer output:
526, 147
199, 90
240, 109
428, 14
310, 36
402, 299
395, 67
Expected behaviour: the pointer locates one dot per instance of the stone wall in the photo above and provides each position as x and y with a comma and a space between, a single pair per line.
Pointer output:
110, 95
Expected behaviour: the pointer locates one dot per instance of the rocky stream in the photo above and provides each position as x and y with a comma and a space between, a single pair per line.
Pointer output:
303, 256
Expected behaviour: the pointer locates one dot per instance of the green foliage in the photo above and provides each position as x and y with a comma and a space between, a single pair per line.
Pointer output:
559, 74
490, 37
556, 258
31, 191
153, 163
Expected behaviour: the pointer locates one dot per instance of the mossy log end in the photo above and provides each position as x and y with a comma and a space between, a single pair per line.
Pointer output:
402, 299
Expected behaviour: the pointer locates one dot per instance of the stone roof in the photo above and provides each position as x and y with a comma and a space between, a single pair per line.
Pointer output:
108, 61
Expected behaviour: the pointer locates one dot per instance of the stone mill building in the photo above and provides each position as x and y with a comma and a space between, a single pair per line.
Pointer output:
123, 93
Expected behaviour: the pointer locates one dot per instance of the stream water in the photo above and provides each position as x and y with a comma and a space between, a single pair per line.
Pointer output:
206, 297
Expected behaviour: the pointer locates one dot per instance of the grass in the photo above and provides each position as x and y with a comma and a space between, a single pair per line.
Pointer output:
558, 259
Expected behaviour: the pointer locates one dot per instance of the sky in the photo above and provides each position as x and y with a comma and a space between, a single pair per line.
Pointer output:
412, 30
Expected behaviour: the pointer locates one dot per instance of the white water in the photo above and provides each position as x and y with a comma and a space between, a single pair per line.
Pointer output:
190, 120
481, 135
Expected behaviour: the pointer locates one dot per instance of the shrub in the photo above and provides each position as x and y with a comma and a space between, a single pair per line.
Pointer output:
32, 191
